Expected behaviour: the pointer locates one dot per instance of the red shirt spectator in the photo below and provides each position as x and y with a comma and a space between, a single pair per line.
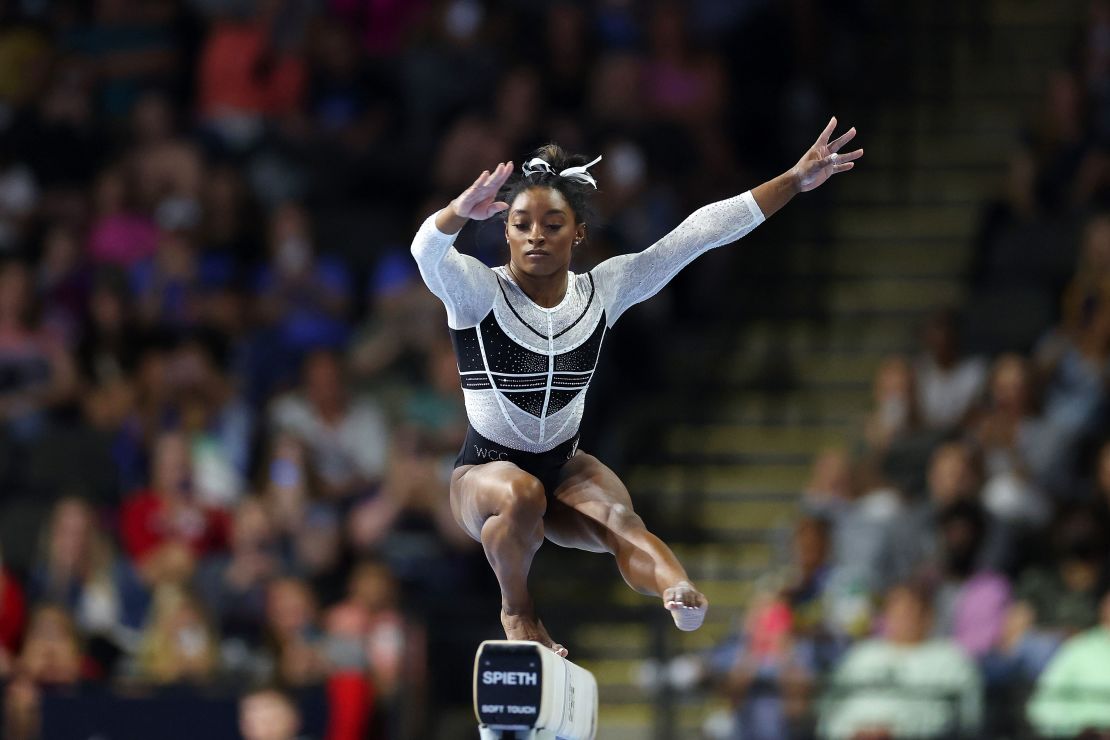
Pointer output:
149, 521
241, 73
13, 612
165, 512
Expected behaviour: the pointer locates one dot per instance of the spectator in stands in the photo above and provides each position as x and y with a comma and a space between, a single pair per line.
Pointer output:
304, 518
1073, 694
806, 589
62, 283
1044, 173
686, 88
319, 552
1063, 593
1073, 361
1020, 653
469, 141
78, 569
351, 105
915, 546
62, 139
302, 295
372, 618
288, 483
167, 169
861, 531
108, 352
616, 90
151, 409
51, 652
566, 56
219, 423
790, 638
389, 348
50, 657
639, 208
1052, 601
367, 639
233, 587
830, 482
268, 714
948, 384
1091, 282
229, 215
433, 415
246, 75
903, 684
347, 438
120, 233
13, 614
163, 528
294, 633
519, 107
178, 644
895, 414
972, 599
19, 199
411, 504
896, 442
167, 284
36, 371
1017, 445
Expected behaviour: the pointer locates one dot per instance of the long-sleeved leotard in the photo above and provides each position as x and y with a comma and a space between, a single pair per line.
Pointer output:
524, 368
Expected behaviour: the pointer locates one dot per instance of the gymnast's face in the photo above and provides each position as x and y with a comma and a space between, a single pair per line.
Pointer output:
542, 230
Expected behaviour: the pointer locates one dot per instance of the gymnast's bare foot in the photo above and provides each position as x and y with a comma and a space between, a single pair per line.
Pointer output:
686, 604
529, 627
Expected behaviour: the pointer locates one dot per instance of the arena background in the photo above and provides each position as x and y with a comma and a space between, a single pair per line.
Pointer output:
872, 429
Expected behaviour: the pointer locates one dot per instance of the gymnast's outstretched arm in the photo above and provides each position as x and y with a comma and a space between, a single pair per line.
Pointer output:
630, 278
466, 286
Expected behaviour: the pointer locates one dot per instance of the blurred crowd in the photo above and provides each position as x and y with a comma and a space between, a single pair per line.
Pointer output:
227, 406
949, 575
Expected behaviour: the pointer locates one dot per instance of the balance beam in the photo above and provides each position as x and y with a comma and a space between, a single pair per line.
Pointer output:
523, 691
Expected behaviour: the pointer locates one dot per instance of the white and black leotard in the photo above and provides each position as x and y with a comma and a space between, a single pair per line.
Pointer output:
524, 368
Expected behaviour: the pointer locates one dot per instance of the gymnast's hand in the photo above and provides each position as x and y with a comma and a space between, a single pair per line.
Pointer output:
477, 202
823, 160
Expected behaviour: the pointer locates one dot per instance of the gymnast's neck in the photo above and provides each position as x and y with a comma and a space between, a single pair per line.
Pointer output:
546, 291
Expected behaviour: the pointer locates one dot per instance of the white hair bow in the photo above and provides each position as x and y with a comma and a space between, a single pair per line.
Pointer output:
536, 165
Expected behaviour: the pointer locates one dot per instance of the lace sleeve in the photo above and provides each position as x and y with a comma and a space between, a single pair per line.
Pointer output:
466, 286
630, 278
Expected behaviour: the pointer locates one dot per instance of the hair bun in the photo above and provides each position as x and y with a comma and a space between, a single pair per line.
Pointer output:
576, 186
559, 158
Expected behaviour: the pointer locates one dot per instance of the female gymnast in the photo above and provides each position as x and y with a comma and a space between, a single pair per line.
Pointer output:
527, 337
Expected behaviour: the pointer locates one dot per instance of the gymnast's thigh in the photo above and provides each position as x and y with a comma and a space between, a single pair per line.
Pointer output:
585, 505
481, 491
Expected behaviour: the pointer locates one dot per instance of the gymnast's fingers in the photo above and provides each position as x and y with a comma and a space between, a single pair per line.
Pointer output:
495, 208
504, 170
823, 139
842, 140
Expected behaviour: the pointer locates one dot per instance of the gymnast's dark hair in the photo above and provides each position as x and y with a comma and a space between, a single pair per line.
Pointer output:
579, 195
